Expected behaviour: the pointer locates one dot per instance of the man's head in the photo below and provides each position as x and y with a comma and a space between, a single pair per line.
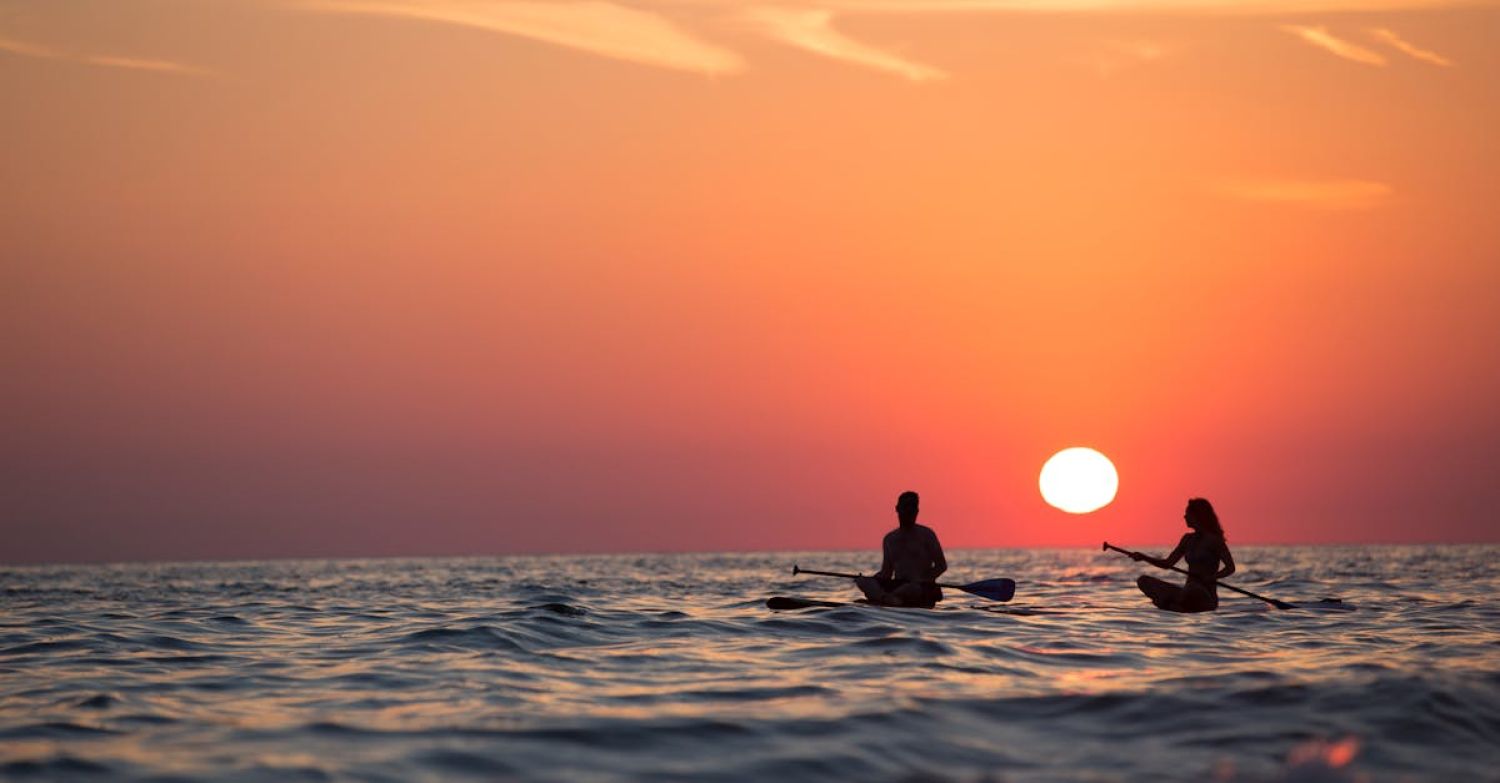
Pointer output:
906, 508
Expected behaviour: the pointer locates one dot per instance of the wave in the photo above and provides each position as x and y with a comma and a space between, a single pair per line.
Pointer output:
670, 668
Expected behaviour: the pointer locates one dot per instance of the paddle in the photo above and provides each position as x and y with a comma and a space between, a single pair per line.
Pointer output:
993, 589
1272, 601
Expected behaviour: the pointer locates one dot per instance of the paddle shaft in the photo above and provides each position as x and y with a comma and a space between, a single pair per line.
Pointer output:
798, 570
1226, 586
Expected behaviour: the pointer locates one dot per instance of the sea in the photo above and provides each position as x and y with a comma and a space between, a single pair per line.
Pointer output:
671, 668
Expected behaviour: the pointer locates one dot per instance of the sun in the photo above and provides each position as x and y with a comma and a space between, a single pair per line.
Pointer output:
1079, 480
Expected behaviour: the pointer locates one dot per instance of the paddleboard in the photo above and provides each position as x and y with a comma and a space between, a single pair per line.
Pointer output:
1019, 611
779, 602
1327, 605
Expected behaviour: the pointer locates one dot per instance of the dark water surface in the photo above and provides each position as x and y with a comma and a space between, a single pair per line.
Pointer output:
670, 668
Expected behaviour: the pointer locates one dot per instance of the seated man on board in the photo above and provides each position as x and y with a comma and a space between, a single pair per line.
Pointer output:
911, 561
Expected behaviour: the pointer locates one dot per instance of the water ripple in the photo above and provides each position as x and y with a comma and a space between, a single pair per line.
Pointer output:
646, 667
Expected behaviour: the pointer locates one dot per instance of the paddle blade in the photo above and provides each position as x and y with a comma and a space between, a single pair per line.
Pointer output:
993, 589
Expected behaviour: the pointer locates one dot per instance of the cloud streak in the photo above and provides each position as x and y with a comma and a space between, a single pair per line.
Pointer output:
600, 28
42, 52
811, 29
658, 32
1396, 42
1195, 7
1321, 194
1114, 56
1328, 42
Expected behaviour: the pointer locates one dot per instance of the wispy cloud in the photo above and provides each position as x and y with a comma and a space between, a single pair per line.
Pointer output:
1113, 56
43, 52
1319, 193
28, 49
1198, 7
1139, 49
1321, 38
812, 29
601, 28
656, 33
659, 32
1400, 44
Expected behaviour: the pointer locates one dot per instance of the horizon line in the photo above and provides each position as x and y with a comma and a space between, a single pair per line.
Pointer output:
684, 552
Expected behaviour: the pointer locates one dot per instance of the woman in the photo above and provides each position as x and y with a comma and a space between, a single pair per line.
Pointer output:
1204, 549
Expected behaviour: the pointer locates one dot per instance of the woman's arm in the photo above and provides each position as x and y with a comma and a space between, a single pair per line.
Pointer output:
1228, 560
1169, 560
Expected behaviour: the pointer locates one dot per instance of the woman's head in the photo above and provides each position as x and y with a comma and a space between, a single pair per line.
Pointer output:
1200, 516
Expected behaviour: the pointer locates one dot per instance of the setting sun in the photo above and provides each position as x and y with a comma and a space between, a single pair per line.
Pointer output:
1079, 480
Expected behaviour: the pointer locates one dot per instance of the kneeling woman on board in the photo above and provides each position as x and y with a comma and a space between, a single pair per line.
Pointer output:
1204, 549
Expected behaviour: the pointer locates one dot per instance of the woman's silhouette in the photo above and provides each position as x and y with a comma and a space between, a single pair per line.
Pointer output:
1204, 549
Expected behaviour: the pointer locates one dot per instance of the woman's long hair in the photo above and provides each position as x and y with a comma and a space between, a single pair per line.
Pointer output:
1203, 511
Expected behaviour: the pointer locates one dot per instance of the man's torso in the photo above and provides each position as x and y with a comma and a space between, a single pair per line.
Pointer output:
911, 551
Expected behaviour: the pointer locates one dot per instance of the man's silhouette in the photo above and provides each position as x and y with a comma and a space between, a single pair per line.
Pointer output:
911, 561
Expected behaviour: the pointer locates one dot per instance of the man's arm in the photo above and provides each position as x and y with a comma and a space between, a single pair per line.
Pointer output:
886, 567
939, 563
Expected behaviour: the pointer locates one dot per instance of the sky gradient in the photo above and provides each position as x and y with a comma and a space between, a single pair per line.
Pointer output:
387, 277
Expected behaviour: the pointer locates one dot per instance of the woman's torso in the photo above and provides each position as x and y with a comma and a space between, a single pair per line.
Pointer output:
1202, 555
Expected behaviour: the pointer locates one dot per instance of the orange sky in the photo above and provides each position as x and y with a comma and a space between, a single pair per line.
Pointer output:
386, 277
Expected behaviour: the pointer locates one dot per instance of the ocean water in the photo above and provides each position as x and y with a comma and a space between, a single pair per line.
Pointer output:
669, 667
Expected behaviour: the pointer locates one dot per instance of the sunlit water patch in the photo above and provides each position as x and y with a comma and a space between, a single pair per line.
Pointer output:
671, 668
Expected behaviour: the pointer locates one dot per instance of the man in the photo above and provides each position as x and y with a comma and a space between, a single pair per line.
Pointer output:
911, 561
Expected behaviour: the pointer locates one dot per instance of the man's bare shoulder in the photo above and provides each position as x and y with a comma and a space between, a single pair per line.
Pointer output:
921, 533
